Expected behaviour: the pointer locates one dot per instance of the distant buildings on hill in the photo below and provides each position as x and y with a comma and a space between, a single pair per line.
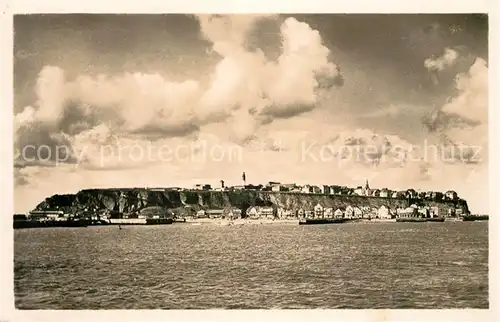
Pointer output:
365, 190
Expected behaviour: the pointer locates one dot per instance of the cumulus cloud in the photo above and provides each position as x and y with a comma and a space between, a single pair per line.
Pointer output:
245, 91
462, 123
472, 101
439, 63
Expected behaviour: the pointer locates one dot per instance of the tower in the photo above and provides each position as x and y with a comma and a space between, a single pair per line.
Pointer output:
367, 189
244, 177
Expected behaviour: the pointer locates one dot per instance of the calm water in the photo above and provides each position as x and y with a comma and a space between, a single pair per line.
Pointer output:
383, 265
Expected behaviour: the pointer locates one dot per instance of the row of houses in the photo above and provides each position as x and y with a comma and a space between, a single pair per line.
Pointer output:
340, 190
319, 211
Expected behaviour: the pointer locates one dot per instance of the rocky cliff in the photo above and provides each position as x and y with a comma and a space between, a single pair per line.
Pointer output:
132, 200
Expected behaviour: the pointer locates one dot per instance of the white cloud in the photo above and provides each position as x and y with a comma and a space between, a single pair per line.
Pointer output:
472, 101
245, 91
439, 63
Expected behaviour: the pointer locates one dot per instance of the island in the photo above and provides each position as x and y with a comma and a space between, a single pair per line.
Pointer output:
272, 202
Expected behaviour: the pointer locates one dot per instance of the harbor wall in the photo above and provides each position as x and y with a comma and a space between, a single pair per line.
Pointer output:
133, 200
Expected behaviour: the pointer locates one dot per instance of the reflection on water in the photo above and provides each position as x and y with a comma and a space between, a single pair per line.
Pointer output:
383, 265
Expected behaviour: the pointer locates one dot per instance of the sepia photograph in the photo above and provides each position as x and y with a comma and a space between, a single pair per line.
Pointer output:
250, 161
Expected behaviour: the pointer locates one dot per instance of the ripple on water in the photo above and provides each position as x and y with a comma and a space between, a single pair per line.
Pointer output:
274, 266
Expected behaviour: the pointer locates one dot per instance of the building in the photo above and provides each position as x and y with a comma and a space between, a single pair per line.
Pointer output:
376, 193
288, 187
201, 214
335, 190
45, 214
383, 212
253, 187
411, 193
325, 189
366, 212
399, 194
198, 186
437, 196
214, 213
367, 190
359, 191
252, 212
266, 212
349, 212
307, 189
315, 189
357, 213
384, 193
301, 213
328, 213
318, 211
338, 214
451, 195
232, 212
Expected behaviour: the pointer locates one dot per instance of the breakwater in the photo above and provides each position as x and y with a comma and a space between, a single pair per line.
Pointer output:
189, 201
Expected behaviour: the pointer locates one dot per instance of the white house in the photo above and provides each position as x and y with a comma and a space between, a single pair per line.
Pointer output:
357, 213
306, 189
384, 193
349, 212
383, 212
338, 214
359, 191
267, 212
252, 212
318, 211
328, 213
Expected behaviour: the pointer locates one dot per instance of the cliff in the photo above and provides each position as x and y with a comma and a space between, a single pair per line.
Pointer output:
132, 200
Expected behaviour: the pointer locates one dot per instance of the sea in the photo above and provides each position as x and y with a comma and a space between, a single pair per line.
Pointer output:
182, 266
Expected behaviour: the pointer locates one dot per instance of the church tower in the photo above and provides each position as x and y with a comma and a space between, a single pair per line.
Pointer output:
367, 189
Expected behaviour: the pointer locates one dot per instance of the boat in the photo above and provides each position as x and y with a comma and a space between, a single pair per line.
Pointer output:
48, 223
411, 219
420, 219
475, 217
322, 221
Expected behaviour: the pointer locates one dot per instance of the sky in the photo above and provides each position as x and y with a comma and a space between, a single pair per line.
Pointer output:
175, 100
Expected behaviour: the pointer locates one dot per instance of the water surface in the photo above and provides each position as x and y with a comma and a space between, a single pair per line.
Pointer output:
382, 265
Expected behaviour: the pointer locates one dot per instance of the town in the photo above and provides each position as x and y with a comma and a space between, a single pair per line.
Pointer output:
284, 203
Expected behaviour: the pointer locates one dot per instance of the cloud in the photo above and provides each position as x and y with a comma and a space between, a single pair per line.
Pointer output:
439, 63
468, 110
263, 89
245, 91
472, 101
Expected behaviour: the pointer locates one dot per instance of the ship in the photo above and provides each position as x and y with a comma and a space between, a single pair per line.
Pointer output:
49, 223
411, 219
322, 221
475, 217
420, 219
